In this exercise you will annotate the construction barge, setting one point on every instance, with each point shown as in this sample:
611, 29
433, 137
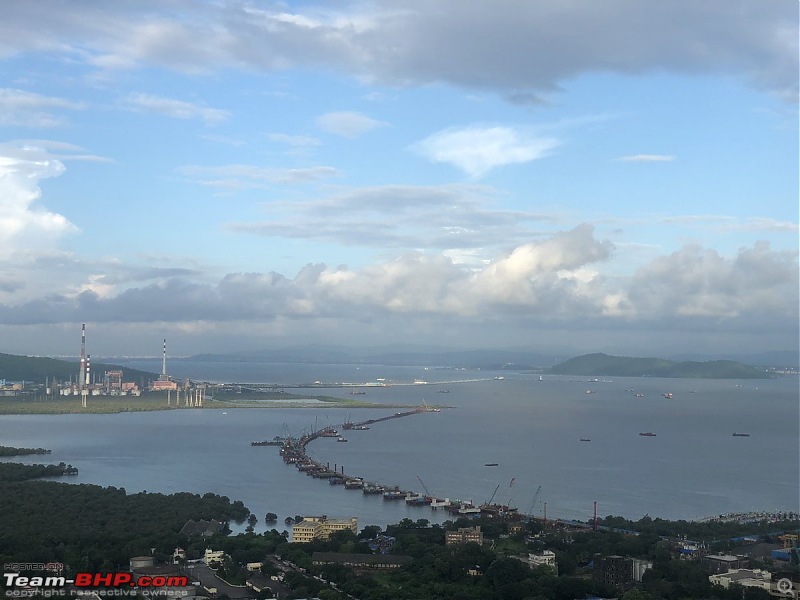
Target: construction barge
293, 452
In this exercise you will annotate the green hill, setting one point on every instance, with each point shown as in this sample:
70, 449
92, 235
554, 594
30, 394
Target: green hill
624, 366
37, 369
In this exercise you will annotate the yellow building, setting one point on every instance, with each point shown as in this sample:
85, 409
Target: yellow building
463, 536
320, 528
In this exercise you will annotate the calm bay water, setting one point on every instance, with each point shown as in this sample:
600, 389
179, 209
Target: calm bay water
532, 429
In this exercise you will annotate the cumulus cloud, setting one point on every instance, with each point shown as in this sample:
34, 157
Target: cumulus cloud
177, 109
699, 282
523, 51
477, 150
554, 280
347, 124
24, 224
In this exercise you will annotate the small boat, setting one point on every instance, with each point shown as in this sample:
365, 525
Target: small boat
490, 465
585, 440
741, 435
648, 434
668, 395
341, 439
499, 378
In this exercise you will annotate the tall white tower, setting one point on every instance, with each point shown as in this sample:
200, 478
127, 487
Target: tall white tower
164, 362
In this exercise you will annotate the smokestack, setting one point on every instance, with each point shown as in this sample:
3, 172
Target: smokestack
82, 368
164, 361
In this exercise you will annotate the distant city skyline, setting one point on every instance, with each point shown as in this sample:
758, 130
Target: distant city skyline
618, 177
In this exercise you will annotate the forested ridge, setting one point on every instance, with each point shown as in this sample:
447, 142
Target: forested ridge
89, 527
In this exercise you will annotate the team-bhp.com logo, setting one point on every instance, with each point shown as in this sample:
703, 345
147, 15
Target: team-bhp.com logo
108, 584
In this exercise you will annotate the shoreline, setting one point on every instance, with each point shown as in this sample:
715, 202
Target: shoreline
124, 404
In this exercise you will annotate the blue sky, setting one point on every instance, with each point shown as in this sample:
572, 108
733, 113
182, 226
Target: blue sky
618, 176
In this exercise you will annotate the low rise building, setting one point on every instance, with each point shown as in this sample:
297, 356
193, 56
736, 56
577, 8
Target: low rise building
620, 571
546, 558
744, 577
212, 556
722, 563
463, 536
321, 528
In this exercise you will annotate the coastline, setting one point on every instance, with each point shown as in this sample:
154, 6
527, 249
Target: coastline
123, 404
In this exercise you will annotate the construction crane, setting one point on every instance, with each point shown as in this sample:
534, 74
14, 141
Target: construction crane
533, 502
493, 495
424, 487
510, 485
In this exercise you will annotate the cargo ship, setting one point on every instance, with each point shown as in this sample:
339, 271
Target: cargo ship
648, 434
741, 435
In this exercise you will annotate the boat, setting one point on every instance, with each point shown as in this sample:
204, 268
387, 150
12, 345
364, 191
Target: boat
393, 495
354, 484
585, 440
541, 378
741, 435
359, 428
372, 488
442, 391
668, 395
648, 434
640, 395
341, 439
490, 465
329, 433
499, 378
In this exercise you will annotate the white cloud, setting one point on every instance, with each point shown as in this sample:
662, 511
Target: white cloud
348, 124
477, 150
24, 225
177, 109
249, 176
525, 50
296, 141
452, 217
27, 109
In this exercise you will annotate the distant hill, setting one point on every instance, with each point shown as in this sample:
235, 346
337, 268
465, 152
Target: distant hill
441, 357
37, 369
623, 366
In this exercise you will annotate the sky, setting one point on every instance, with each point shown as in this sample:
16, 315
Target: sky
617, 176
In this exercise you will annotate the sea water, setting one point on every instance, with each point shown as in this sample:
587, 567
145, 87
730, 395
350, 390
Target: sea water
531, 429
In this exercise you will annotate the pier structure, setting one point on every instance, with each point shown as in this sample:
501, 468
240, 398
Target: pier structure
293, 452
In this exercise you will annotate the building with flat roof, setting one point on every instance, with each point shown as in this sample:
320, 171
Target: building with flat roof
722, 563
321, 528
464, 535
744, 577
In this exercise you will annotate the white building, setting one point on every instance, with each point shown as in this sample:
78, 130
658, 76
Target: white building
745, 577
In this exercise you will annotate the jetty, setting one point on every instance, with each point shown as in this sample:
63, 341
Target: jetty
293, 452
